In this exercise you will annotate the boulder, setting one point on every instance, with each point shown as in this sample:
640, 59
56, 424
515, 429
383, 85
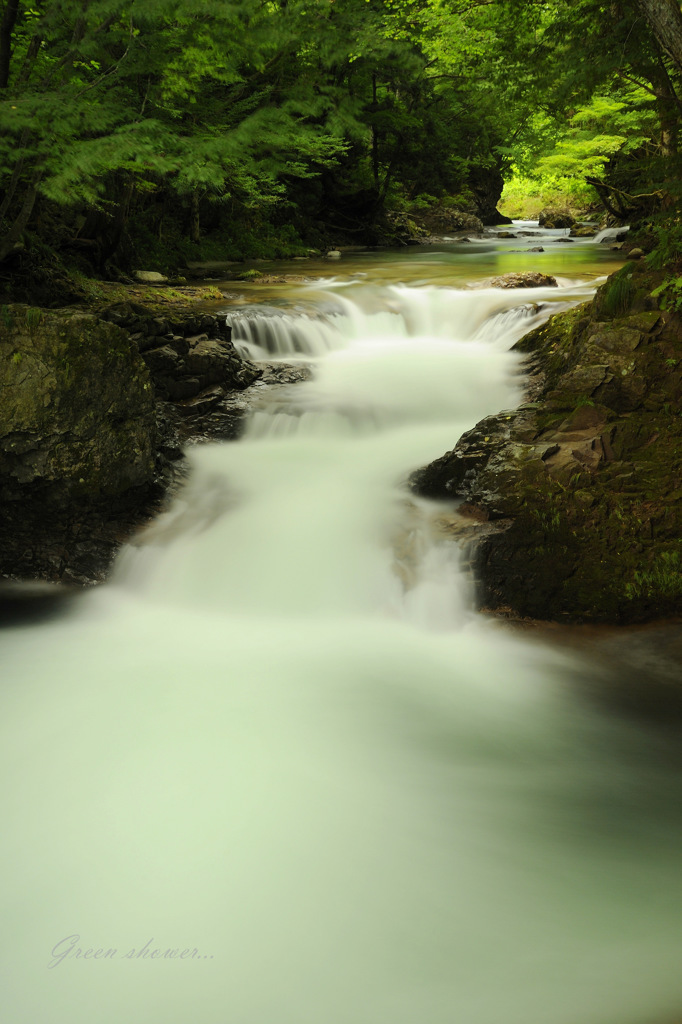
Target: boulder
486, 184
78, 437
552, 218
86, 447
524, 279
150, 277
441, 219
78, 404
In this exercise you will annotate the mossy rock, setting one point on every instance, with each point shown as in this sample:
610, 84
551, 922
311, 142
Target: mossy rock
79, 408
576, 498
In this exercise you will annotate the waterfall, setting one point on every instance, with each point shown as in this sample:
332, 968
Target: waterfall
266, 333
610, 234
279, 771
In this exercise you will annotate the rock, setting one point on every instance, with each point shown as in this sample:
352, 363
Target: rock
248, 275
574, 500
486, 184
78, 407
202, 403
583, 231
78, 434
636, 254
209, 268
442, 220
562, 239
164, 360
505, 234
22, 603
210, 361
525, 279
333, 254
150, 277
552, 218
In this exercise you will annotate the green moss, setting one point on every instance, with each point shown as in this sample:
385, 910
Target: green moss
617, 295
661, 579
33, 317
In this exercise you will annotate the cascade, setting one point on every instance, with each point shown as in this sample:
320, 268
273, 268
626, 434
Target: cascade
281, 750
610, 234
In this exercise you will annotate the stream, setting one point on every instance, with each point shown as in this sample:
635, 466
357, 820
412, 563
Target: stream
278, 771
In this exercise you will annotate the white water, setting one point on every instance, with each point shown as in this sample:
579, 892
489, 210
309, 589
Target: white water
610, 234
358, 804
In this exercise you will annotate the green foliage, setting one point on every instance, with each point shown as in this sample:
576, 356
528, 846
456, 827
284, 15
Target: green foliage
669, 294
324, 111
33, 317
663, 578
523, 197
668, 247
617, 294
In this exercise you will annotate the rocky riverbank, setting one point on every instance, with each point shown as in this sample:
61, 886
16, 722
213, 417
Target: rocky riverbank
574, 500
96, 406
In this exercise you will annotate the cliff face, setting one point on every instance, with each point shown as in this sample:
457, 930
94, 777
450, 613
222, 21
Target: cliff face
575, 498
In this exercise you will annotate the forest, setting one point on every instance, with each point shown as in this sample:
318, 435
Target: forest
146, 134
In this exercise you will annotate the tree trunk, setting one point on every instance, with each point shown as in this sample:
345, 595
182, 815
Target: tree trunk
665, 19
194, 219
668, 106
375, 137
16, 175
9, 18
9, 243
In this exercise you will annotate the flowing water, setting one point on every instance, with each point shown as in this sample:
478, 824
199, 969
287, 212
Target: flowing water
278, 772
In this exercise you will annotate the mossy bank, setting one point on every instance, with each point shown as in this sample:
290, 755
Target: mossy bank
575, 498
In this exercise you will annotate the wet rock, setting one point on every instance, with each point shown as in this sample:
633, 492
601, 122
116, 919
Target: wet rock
525, 279
202, 402
574, 500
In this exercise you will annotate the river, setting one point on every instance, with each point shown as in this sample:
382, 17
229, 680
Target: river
278, 771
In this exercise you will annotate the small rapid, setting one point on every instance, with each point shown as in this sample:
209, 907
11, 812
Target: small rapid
281, 750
